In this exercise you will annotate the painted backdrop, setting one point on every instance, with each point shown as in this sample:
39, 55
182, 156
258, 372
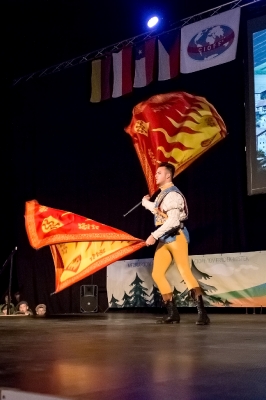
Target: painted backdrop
227, 280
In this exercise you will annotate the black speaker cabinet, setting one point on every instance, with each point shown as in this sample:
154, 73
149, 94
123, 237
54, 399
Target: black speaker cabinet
88, 298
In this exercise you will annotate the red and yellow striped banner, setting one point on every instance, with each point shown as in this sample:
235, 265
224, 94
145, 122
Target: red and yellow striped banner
174, 127
80, 246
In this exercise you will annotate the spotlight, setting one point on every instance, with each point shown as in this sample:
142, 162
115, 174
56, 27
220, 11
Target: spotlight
153, 21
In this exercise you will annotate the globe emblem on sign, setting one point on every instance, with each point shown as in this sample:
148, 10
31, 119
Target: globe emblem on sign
210, 43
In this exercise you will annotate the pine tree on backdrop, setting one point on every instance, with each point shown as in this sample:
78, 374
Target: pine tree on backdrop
113, 302
138, 293
126, 301
156, 297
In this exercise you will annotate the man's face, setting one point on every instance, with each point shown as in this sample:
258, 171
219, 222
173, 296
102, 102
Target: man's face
23, 308
40, 311
162, 176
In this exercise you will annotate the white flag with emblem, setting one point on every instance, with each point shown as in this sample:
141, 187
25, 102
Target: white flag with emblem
209, 42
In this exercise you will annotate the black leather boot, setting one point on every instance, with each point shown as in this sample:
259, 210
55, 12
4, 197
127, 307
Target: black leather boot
203, 318
173, 316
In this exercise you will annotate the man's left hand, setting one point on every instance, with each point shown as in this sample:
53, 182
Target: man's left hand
150, 241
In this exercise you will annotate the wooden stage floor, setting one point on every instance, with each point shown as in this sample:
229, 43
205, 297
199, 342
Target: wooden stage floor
118, 356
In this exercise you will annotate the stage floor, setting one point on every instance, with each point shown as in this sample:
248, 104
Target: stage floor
118, 356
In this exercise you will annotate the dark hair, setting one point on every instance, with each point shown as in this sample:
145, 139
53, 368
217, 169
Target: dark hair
169, 167
22, 302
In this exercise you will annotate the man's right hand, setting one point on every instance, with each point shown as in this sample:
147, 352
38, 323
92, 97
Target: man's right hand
147, 197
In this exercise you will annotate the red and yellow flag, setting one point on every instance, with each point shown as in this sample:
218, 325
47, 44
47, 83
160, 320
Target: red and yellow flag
174, 127
79, 245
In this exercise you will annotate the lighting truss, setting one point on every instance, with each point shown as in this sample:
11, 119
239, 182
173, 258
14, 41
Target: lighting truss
93, 55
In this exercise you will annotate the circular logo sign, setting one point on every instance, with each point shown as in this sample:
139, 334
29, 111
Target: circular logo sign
210, 43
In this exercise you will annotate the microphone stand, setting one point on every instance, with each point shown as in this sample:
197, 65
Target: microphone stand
11, 255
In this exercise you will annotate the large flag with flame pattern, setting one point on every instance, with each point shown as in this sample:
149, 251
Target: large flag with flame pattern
174, 127
79, 245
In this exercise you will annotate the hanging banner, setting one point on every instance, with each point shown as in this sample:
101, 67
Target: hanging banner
100, 79
227, 280
144, 63
209, 42
122, 72
168, 55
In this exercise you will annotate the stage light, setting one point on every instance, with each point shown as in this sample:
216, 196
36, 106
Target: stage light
152, 22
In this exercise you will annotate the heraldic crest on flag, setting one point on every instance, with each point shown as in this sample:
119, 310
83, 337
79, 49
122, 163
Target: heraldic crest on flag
175, 127
79, 245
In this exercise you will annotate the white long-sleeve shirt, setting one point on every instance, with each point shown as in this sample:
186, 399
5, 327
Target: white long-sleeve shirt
173, 205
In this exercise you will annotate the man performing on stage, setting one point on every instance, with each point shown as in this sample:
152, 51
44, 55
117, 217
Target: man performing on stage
170, 210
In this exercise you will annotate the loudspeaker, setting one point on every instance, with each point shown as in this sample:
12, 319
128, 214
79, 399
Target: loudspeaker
88, 298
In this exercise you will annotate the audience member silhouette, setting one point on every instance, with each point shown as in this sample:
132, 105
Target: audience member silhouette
41, 310
23, 308
11, 305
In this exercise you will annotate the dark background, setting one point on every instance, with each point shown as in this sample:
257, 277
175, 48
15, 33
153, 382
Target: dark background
67, 153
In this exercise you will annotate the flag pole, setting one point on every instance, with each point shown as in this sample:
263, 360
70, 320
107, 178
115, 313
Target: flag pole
155, 194
133, 208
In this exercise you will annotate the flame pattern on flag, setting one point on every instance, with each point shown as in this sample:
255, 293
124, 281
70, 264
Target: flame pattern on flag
79, 245
174, 127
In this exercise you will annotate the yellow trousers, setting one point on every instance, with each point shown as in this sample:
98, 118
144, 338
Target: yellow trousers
177, 250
